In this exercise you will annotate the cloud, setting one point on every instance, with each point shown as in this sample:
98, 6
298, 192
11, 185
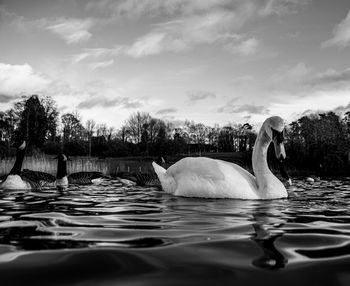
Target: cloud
289, 78
154, 8
9, 18
6, 98
244, 47
71, 30
166, 111
96, 53
250, 109
185, 33
302, 81
152, 44
101, 65
282, 7
342, 109
341, 34
228, 106
331, 77
105, 102
297, 71
198, 95
232, 107
192, 23
20, 79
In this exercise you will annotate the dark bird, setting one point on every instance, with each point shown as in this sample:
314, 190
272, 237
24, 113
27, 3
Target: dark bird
139, 179
26, 179
79, 178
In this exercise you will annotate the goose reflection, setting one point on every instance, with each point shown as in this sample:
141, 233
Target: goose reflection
265, 238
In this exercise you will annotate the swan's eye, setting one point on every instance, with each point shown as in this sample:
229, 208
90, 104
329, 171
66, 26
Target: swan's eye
277, 135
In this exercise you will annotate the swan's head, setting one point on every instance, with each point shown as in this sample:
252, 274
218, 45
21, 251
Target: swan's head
274, 127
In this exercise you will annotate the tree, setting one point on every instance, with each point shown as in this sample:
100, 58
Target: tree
72, 127
36, 123
90, 126
50, 107
136, 124
225, 140
245, 142
318, 142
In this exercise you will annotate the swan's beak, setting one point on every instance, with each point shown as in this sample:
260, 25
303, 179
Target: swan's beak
281, 156
279, 149
283, 170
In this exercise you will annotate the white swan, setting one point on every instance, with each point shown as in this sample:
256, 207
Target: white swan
209, 178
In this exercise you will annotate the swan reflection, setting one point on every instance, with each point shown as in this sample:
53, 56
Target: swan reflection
265, 237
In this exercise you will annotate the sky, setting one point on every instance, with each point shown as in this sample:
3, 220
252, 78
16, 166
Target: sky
210, 61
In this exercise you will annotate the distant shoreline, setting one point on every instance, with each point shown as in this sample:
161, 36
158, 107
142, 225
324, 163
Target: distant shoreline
133, 164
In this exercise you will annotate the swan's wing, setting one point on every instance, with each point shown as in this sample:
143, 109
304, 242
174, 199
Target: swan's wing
210, 169
37, 179
205, 177
83, 178
200, 167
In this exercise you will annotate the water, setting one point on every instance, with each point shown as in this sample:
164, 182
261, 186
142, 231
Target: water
110, 234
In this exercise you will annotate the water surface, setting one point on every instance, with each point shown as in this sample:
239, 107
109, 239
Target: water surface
111, 234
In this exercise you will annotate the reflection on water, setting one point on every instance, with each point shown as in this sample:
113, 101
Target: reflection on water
110, 233
271, 258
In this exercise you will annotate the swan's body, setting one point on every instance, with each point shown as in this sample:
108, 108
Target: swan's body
210, 178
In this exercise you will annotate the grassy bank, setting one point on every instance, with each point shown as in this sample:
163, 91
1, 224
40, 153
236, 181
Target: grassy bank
112, 166
109, 166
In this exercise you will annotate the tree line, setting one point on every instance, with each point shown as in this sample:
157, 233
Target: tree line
37, 120
317, 142
320, 142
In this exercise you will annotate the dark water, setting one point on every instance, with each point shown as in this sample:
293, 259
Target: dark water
111, 234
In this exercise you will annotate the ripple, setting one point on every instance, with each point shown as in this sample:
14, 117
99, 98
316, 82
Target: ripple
160, 236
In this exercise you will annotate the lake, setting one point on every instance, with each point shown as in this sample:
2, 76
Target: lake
112, 234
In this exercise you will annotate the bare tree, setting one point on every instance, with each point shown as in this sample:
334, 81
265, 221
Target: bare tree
135, 125
90, 127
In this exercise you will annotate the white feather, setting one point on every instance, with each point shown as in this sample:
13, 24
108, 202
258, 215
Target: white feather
14, 182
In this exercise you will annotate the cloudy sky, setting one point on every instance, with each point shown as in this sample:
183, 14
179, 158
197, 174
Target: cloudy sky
211, 61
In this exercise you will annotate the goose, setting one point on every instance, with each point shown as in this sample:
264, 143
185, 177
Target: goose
22, 180
139, 179
210, 178
80, 178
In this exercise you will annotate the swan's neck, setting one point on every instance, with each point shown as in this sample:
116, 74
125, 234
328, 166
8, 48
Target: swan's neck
269, 186
260, 167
